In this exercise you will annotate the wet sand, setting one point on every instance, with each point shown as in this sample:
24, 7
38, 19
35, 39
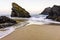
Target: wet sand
35, 32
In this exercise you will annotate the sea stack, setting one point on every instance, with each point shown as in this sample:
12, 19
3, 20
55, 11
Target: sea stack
18, 11
53, 13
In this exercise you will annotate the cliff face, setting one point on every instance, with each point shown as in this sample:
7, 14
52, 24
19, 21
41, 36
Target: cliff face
46, 11
53, 13
18, 11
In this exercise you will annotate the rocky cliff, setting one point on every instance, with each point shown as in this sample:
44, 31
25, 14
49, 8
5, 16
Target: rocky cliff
18, 11
52, 12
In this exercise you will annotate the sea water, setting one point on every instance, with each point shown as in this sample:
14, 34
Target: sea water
41, 19
37, 19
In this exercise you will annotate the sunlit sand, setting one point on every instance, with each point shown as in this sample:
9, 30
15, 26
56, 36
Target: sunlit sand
35, 32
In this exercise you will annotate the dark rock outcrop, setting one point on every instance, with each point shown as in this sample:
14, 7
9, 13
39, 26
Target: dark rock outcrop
46, 11
18, 11
53, 13
6, 22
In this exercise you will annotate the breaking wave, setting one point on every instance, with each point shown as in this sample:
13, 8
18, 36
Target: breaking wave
41, 19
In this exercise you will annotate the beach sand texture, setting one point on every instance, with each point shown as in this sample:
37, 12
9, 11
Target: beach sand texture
35, 32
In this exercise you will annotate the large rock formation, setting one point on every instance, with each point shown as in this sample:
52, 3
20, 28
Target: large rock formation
53, 13
18, 11
46, 11
6, 22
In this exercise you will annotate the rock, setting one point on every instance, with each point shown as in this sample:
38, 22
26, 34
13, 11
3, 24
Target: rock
53, 13
46, 11
4, 25
6, 22
18, 11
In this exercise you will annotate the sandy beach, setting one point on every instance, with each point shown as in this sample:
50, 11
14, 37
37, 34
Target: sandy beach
35, 32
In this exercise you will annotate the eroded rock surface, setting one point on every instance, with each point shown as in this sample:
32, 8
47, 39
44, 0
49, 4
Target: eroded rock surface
6, 22
52, 12
18, 11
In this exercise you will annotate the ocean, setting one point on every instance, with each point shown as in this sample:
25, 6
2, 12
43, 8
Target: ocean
37, 19
41, 19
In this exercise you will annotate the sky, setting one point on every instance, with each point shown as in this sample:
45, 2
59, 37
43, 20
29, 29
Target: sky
32, 6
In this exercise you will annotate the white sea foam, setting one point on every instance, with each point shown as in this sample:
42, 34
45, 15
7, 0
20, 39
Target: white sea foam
41, 19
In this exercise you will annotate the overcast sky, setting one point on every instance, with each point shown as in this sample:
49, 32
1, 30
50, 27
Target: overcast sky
32, 6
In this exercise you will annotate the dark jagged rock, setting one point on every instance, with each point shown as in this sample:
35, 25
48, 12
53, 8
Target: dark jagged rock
4, 25
4, 19
18, 11
46, 11
6, 22
53, 13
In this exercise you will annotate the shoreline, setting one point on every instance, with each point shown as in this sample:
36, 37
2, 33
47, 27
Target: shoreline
35, 32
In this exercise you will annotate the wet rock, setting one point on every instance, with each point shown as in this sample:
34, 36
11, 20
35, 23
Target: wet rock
53, 13
4, 25
6, 22
18, 11
46, 11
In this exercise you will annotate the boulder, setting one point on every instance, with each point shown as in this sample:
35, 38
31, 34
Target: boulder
18, 11
6, 22
53, 13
